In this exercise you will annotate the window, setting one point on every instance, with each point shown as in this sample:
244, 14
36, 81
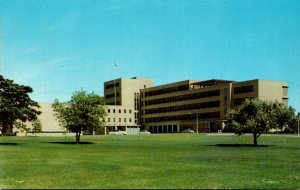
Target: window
285, 101
108, 110
108, 119
119, 110
114, 119
285, 91
238, 101
130, 120
198, 95
124, 110
107, 96
120, 120
129, 111
125, 120
202, 105
108, 86
225, 94
114, 110
207, 115
243, 89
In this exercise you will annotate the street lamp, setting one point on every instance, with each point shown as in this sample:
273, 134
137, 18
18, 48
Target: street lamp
298, 126
197, 122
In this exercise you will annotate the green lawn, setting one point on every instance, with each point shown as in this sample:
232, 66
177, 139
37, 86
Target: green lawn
153, 161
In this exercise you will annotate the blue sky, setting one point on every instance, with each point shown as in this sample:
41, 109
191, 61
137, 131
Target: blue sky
59, 46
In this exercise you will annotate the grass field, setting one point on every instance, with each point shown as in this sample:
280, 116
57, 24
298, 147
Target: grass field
154, 161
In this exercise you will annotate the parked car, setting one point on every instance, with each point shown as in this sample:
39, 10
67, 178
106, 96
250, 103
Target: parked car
118, 132
144, 132
188, 131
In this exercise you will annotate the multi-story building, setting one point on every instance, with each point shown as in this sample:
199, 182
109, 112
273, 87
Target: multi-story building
174, 107
122, 97
201, 105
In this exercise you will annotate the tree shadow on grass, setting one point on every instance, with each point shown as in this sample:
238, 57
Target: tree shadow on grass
10, 144
62, 142
238, 145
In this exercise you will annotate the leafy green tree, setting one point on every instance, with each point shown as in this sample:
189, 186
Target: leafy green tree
83, 112
295, 123
22, 126
36, 126
283, 117
258, 117
15, 104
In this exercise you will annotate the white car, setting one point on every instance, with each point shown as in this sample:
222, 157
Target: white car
144, 132
188, 131
118, 132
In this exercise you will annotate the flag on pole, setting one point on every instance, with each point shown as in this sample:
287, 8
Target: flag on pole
115, 65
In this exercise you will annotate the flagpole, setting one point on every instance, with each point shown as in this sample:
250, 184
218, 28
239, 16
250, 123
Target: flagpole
115, 89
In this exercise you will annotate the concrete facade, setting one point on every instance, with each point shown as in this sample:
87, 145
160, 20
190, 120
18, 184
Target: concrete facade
48, 121
202, 105
171, 108
122, 97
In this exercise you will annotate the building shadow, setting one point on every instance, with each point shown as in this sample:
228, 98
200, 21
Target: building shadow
10, 144
62, 142
239, 145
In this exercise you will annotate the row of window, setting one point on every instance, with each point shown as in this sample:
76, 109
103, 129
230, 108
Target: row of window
167, 90
113, 103
207, 115
183, 97
243, 89
240, 101
119, 111
120, 120
112, 85
136, 101
184, 107
112, 95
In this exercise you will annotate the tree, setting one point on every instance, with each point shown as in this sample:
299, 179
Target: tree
15, 104
36, 126
295, 123
83, 112
21, 126
258, 116
283, 117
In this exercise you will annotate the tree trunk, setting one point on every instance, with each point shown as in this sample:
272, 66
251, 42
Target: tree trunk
6, 129
255, 140
3, 129
78, 137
